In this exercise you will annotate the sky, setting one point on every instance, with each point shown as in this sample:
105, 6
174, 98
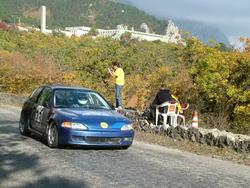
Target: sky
232, 17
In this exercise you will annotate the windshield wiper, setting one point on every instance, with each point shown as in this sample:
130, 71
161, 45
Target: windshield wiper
62, 106
97, 108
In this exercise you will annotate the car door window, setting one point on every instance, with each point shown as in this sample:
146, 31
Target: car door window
34, 95
45, 96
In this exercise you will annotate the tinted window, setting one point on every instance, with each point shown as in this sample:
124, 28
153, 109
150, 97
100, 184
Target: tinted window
45, 96
34, 95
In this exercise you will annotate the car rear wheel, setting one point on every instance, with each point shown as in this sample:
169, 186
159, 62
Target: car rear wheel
52, 136
23, 125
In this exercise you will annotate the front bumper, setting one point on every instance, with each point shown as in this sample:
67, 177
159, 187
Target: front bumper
95, 138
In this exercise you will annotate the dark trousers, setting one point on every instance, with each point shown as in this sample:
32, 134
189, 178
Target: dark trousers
152, 109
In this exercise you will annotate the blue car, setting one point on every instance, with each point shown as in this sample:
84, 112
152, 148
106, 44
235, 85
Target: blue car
68, 115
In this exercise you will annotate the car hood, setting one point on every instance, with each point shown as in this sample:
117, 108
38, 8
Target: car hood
95, 118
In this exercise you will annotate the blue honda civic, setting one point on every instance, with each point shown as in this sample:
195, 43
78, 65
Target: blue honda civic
68, 115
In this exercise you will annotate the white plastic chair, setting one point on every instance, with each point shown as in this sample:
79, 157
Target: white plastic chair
181, 115
169, 111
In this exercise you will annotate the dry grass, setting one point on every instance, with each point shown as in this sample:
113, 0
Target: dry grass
192, 147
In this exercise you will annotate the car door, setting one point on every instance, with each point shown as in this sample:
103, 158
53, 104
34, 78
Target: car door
43, 109
31, 105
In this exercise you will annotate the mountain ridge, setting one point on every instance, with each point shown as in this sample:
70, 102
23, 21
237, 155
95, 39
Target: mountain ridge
202, 31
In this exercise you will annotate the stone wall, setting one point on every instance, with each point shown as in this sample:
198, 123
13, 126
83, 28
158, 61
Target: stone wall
8, 98
212, 137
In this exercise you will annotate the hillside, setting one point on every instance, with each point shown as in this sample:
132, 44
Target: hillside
202, 31
64, 13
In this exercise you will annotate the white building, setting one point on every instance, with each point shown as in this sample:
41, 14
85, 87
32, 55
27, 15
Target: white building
107, 33
22, 28
172, 33
78, 31
142, 36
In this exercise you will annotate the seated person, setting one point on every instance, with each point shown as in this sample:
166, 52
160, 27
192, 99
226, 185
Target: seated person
61, 100
70, 97
162, 96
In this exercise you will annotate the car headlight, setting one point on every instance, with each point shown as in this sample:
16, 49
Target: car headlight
127, 127
74, 126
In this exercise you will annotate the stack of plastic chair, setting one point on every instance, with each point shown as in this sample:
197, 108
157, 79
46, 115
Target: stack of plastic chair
183, 108
169, 112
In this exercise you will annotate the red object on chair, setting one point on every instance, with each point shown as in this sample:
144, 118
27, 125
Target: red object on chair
184, 108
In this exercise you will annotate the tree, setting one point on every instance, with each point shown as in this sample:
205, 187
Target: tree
93, 31
3, 26
126, 36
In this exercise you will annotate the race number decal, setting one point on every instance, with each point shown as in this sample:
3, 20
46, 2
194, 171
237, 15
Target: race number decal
39, 114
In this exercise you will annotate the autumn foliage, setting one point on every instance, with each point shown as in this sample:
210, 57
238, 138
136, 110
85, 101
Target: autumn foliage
214, 82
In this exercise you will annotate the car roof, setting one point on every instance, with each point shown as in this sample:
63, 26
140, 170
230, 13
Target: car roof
67, 87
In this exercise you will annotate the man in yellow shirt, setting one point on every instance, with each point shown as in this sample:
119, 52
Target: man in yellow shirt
118, 74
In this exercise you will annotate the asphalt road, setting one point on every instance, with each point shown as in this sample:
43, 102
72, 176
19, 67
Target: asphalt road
28, 162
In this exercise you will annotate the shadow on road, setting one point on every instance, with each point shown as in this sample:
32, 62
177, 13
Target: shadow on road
55, 182
15, 161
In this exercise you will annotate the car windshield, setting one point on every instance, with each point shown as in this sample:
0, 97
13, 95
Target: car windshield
73, 98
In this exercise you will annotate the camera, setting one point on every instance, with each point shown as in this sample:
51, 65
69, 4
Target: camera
111, 68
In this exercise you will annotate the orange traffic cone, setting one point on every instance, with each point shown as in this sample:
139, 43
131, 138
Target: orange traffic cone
195, 119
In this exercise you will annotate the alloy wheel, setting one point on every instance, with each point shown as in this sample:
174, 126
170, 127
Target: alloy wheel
51, 134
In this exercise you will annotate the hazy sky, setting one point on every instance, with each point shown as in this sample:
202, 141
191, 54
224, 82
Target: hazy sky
232, 17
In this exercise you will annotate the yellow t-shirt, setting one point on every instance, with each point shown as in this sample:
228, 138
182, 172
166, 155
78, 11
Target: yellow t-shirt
119, 80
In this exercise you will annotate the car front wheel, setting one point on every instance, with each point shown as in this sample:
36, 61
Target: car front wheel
52, 136
23, 125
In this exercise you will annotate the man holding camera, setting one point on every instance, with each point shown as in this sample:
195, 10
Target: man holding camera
118, 74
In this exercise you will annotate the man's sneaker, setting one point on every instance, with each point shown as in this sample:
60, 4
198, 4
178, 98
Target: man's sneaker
119, 108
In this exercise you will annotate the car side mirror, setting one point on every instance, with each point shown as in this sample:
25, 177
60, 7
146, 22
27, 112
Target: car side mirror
46, 104
112, 106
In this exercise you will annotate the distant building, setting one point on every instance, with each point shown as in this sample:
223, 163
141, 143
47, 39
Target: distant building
172, 33
141, 35
22, 28
108, 33
78, 30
